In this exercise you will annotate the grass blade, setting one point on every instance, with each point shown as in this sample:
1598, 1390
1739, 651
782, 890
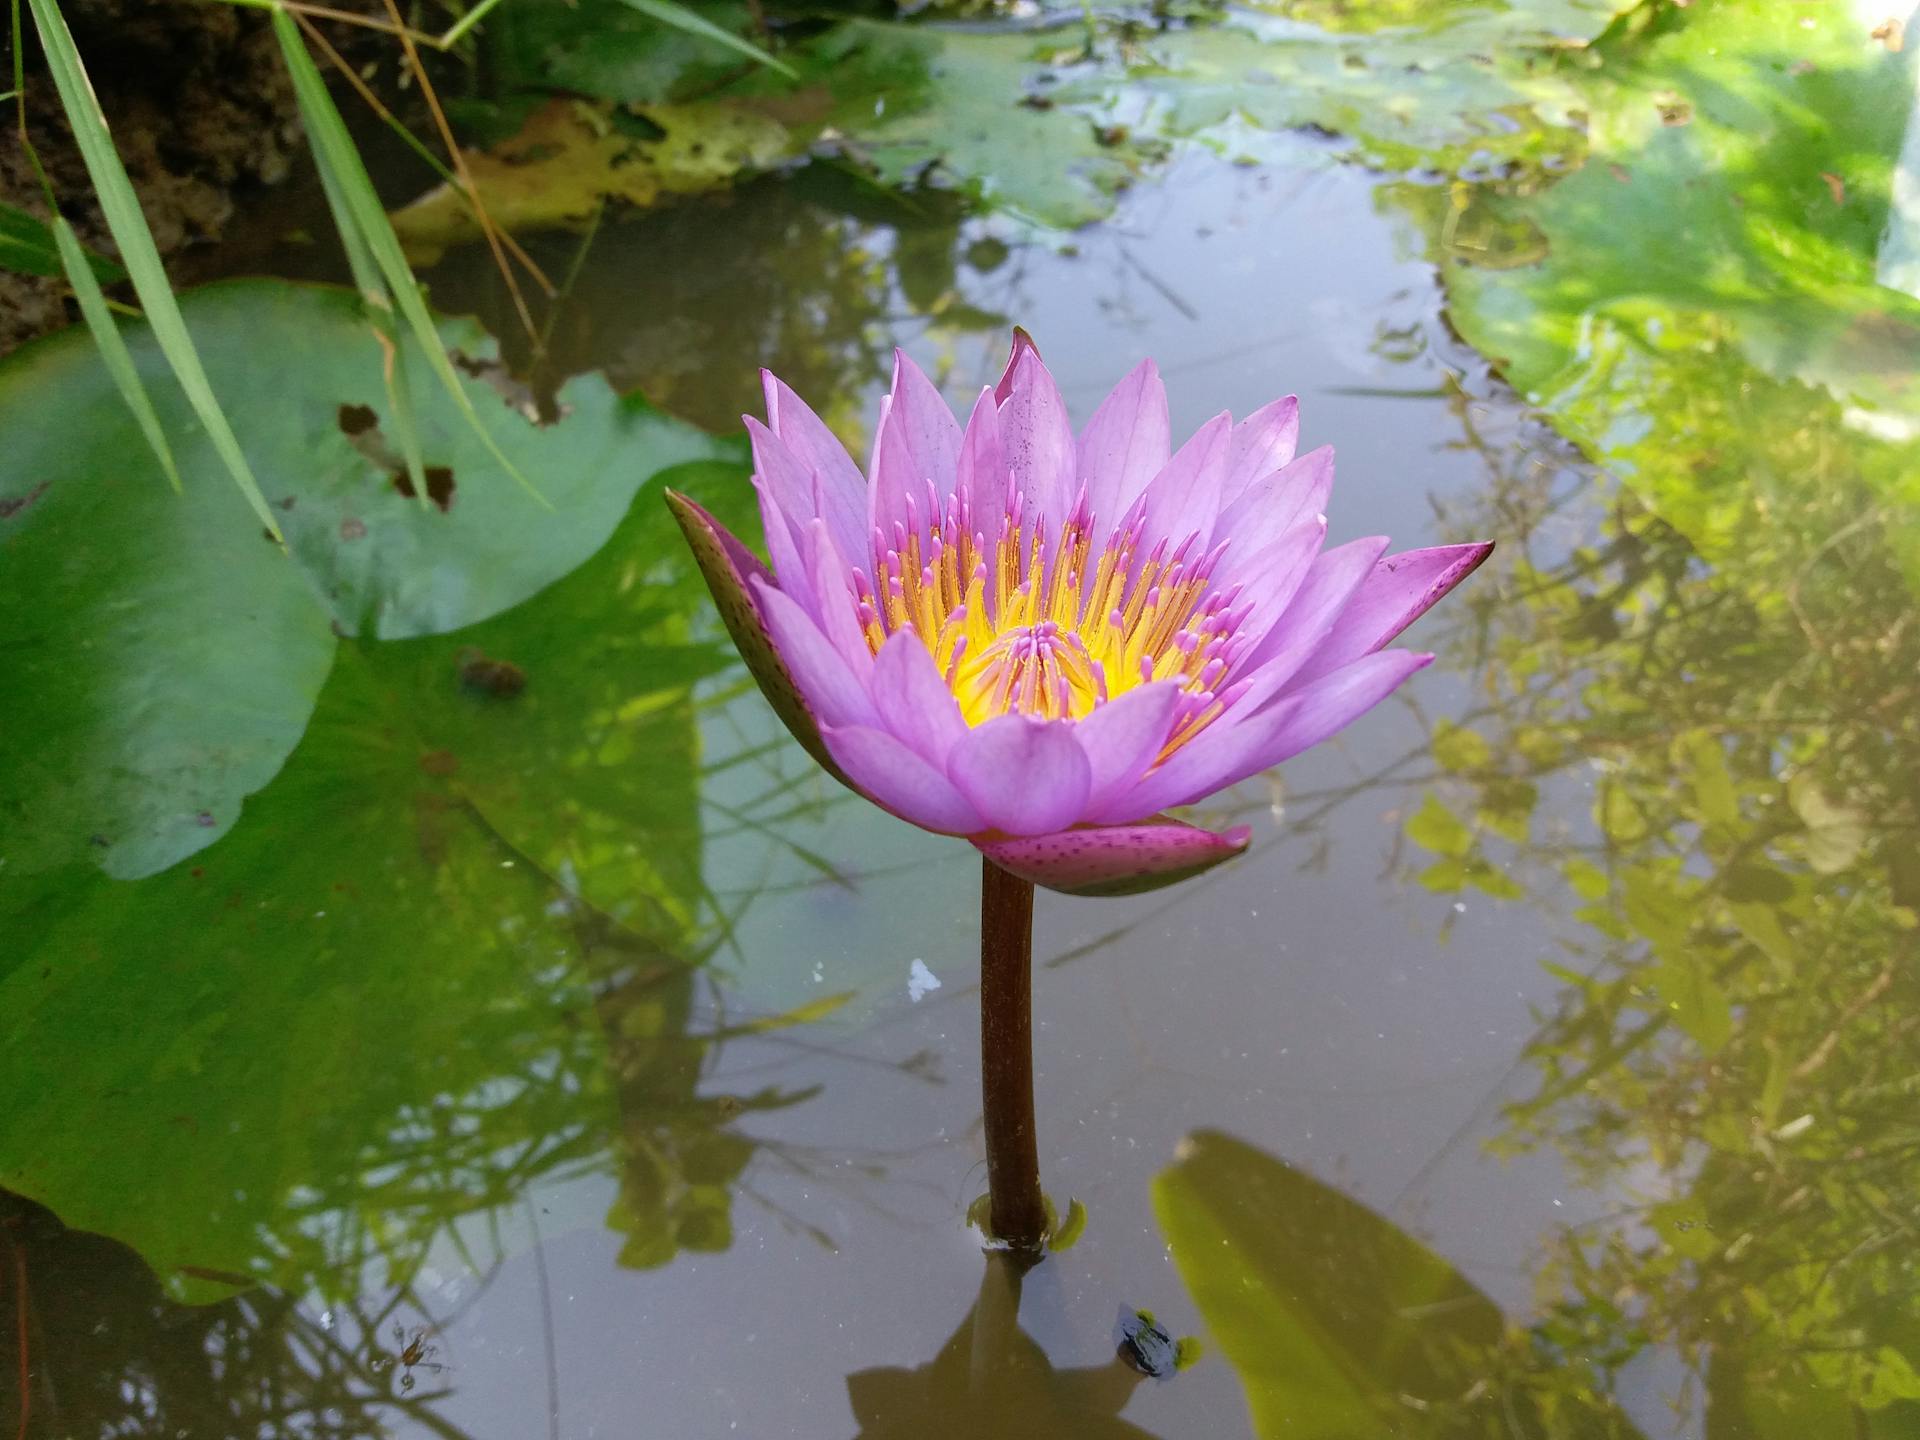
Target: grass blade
333, 148
137, 250
465, 23
27, 246
113, 349
668, 12
379, 302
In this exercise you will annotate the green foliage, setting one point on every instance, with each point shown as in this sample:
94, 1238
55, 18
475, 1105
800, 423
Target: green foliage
358, 1017
135, 241
909, 99
1715, 255
166, 656
1340, 1324
27, 244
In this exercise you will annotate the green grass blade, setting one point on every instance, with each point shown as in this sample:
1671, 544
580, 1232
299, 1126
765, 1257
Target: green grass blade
113, 349
366, 275
27, 246
405, 428
142, 258
668, 12
379, 302
465, 23
327, 133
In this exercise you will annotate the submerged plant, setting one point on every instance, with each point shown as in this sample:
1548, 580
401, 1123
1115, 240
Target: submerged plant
1041, 643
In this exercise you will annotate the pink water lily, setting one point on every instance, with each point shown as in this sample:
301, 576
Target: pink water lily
1042, 642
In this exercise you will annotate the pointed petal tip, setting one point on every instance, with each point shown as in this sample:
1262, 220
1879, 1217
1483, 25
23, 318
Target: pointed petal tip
1022, 344
1105, 860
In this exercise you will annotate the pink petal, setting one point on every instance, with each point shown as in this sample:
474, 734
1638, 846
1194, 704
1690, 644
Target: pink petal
1400, 590
832, 587
1036, 443
731, 570
915, 704
1124, 736
785, 490
1273, 579
1117, 859
981, 478
1184, 498
1237, 748
1022, 345
1273, 505
1262, 443
1309, 618
891, 482
899, 781
1125, 444
843, 488
925, 426
832, 691
1025, 776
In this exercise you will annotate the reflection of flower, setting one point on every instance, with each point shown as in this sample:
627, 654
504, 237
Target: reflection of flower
1039, 643
992, 1379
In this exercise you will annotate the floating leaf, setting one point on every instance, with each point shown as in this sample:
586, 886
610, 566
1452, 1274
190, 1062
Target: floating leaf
446, 885
1340, 1324
570, 158
164, 654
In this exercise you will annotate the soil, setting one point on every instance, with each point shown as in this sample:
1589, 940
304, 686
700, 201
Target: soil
202, 114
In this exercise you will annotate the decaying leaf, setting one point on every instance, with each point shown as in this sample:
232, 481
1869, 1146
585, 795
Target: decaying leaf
572, 157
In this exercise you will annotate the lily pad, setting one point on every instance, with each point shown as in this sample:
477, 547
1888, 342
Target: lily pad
164, 654
423, 970
975, 107
1339, 1323
1715, 261
1462, 87
570, 158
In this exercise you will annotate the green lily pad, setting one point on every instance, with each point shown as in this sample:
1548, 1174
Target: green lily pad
1450, 87
448, 950
1339, 1323
1714, 263
164, 655
971, 105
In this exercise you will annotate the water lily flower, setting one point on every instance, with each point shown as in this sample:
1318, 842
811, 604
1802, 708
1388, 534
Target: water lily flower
1042, 641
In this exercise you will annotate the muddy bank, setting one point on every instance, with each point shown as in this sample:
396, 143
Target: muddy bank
202, 115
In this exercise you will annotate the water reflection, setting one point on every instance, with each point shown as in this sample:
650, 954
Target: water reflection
1735, 1050
104, 1350
1341, 1324
991, 1378
815, 277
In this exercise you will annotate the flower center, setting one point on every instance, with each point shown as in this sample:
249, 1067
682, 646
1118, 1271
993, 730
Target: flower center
1036, 669
1052, 628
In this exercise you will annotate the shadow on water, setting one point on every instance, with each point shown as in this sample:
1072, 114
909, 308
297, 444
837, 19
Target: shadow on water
991, 1378
104, 1350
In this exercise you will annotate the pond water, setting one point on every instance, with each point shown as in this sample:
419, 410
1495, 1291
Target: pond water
553, 1050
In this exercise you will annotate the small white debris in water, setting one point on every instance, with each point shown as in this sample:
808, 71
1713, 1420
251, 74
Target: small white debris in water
819, 974
921, 981
326, 1319
1459, 907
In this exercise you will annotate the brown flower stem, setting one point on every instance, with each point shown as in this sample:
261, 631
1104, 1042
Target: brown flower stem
1018, 1214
